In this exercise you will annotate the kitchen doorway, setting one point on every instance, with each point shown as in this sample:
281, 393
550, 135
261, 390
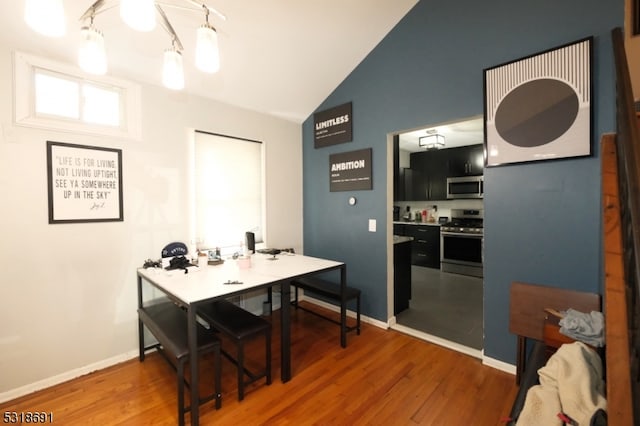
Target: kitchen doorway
445, 308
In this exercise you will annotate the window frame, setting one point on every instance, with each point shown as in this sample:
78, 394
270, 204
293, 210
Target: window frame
25, 68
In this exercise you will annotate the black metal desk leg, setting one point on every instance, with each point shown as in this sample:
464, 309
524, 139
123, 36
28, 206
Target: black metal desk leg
343, 306
140, 325
285, 332
193, 356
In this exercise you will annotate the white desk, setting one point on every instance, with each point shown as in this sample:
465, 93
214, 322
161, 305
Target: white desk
207, 284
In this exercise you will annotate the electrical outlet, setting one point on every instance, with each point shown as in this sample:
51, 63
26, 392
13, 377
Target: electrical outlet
372, 225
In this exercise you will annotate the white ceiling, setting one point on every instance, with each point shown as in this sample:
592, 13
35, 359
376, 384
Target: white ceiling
279, 57
459, 133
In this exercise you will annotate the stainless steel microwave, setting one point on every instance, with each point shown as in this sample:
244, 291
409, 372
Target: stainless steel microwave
465, 187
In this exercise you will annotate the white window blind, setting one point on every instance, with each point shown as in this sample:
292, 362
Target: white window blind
228, 190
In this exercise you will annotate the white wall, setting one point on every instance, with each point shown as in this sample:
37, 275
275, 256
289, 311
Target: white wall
68, 291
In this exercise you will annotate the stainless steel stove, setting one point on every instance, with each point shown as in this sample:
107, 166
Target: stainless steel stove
461, 243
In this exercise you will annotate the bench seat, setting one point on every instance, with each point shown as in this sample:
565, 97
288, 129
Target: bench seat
168, 324
240, 326
334, 292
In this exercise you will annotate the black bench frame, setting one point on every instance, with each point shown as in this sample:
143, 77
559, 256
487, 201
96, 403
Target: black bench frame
336, 292
167, 322
240, 326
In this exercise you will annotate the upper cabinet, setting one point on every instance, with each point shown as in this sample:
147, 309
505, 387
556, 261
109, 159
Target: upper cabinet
428, 175
426, 179
465, 160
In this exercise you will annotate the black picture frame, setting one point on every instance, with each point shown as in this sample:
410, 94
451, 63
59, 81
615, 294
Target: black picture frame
84, 183
333, 126
540, 107
351, 171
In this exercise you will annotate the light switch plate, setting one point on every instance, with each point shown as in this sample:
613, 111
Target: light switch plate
372, 225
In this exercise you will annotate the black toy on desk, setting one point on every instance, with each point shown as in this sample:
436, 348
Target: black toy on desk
151, 264
273, 252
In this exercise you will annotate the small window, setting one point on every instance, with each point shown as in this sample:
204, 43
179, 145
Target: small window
101, 106
57, 96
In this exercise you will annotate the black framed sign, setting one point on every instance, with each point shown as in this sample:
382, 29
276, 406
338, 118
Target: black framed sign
539, 107
84, 183
333, 126
350, 171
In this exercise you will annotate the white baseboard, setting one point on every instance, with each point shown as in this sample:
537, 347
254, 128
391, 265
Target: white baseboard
350, 314
66, 376
476, 353
499, 365
489, 362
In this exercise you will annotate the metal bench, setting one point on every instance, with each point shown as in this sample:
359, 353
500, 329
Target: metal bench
168, 324
333, 292
240, 326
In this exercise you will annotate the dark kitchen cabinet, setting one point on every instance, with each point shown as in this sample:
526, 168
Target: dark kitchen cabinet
465, 160
428, 176
398, 173
401, 175
425, 247
401, 276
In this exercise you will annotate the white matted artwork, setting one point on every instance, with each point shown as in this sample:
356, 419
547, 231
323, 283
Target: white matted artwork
539, 107
84, 183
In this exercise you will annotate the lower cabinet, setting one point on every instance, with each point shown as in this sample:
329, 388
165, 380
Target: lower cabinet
425, 248
401, 276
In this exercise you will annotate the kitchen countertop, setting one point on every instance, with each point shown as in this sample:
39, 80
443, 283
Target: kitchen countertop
399, 239
400, 222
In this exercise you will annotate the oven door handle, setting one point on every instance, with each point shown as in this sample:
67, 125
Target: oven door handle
460, 234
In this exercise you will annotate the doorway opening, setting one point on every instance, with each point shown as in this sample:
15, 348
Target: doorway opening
444, 308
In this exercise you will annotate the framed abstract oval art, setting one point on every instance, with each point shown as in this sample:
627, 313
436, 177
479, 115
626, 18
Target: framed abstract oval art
539, 107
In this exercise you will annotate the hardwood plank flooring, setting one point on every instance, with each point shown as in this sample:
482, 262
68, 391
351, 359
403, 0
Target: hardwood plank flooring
382, 378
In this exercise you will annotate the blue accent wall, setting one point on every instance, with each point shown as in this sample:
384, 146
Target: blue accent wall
542, 220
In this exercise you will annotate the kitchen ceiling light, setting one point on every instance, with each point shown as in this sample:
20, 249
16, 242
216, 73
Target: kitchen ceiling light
431, 141
47, 17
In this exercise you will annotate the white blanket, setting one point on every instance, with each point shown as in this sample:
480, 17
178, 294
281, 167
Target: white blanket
570, 383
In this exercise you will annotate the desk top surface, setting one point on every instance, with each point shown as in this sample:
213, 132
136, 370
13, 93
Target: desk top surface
209, 282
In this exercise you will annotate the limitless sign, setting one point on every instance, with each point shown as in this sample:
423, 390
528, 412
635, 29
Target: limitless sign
333, 126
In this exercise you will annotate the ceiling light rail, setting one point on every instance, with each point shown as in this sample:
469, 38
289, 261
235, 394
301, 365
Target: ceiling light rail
141, 16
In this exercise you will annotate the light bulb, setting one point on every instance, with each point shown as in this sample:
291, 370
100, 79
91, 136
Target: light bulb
173, 72
92, 57
45, 17
139, 14
207, 53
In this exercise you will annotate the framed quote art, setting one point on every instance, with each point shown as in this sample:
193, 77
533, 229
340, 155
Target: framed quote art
84, 183
539, 107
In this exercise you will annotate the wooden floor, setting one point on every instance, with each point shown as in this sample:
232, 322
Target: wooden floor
382, 378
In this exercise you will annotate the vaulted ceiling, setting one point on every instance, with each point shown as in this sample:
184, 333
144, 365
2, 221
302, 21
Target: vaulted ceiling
279, 57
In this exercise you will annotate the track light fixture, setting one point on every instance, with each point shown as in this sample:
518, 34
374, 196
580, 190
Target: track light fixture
47, 17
